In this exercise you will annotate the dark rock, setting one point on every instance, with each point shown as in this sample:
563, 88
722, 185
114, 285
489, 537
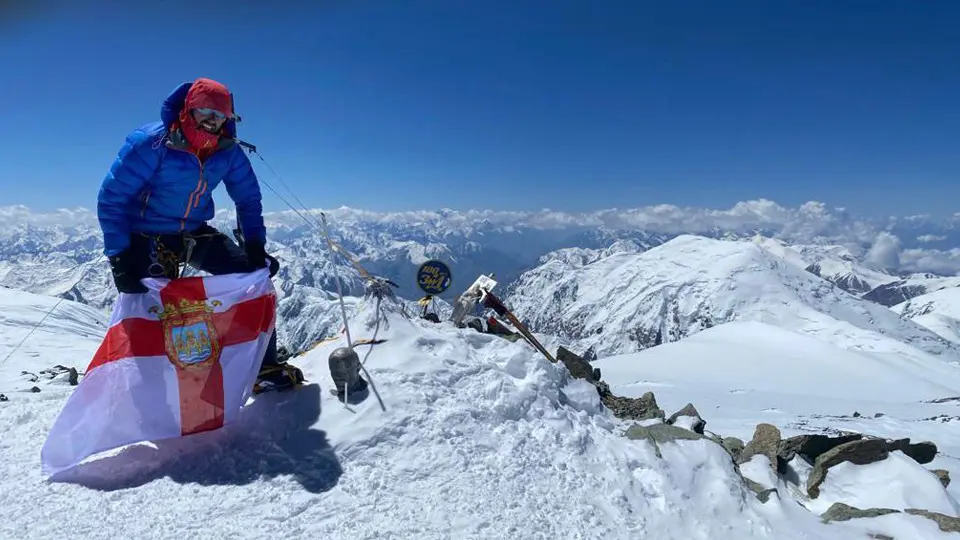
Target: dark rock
689, 410
659, 434
642, 408
662, 433
859, 452
843, 512
856, 414
891, 294
809, 447
943, 475
921, 452
756, 487
35, 389
4, 398
764, 495
577, 366
878, 415
878, 536
734, 446
945, 522
765, 441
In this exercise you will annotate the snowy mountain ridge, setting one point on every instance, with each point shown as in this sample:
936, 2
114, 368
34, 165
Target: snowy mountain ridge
628, 301
59, 254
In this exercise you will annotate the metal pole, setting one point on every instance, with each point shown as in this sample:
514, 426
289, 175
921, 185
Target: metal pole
343, 307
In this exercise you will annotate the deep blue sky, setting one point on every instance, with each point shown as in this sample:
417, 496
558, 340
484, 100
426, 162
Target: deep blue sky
390, 105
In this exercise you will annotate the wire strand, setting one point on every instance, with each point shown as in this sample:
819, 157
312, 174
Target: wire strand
50, 311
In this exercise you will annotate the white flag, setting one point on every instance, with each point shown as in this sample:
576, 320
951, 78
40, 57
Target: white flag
179, 359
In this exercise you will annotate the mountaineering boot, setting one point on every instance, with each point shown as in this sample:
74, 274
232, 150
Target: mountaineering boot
345, 372
277, 377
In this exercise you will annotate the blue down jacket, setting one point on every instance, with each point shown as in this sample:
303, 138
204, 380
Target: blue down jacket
157, 185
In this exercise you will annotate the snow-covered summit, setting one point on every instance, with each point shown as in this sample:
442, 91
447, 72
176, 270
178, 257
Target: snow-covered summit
481, 438
834, 263
629, 301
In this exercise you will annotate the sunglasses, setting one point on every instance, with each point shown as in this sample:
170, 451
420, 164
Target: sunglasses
205, 111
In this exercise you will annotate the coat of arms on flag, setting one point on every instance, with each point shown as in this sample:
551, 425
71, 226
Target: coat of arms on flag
189, 334
177, 360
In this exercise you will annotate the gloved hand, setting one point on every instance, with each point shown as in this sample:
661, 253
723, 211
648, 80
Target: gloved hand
258, 258
274, 265
125, 275
256, 255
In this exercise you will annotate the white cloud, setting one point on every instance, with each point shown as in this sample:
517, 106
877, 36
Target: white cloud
812, 222
931, 260
18, 215
885, 251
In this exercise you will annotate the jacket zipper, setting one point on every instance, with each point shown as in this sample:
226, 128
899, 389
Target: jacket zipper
193, 193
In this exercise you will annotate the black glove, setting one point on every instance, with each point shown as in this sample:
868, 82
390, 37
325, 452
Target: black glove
125, 274
274, 265
258, 258
256, 255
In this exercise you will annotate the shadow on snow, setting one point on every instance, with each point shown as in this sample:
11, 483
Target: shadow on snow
271, 437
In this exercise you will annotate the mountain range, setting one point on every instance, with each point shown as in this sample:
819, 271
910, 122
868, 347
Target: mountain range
811, 343
886, 261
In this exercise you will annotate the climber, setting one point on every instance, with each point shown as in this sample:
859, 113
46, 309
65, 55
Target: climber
155, 201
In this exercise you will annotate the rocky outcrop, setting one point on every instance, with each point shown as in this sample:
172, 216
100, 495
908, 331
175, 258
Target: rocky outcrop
659, 434
734, 446
946, 523
844, 512
922, 452
810, 447
765, 441
643, 408
943, 476
865, 451
689, 411
820, 452
859, 452
578, 367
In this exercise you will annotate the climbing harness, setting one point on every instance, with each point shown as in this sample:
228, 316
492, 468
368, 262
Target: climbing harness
165, 260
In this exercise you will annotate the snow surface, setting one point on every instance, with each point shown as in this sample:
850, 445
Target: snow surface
482, 438
939, 311
68, 336
897, 482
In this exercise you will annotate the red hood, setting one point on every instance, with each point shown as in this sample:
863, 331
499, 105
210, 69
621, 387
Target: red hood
204, 93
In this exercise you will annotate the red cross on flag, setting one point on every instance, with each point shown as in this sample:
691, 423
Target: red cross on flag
179, 359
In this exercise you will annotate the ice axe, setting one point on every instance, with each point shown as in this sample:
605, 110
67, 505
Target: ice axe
491, 301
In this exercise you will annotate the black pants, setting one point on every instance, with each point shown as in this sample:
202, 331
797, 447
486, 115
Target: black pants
212, 252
